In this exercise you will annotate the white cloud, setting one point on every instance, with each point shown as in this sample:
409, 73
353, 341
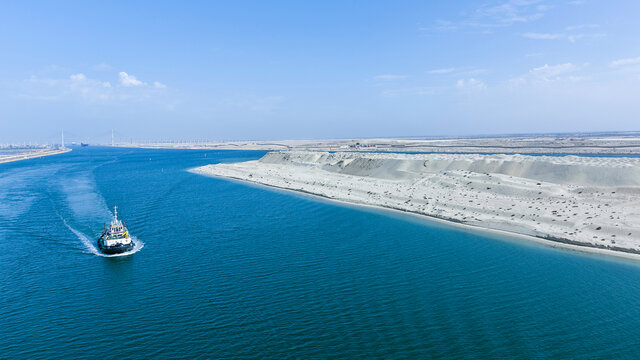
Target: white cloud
390, 77
490, 16
513, 11
412, 91
541, 36
460, 72
443, 25
79, 86
582, 26
76, 85
129, 80
86, 86
549, 71
625, 62
477, 71
441, 71
556, 36
78, 77
574, 37
470, 84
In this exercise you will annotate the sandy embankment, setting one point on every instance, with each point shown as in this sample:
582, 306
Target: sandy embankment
619, 143
592, 202
31, 154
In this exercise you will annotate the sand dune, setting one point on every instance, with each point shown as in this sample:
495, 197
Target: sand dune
588, 201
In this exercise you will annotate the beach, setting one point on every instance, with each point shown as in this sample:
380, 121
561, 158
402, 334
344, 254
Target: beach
31, 154
592, 203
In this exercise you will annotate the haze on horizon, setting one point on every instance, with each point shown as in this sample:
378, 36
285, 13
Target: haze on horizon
331, 69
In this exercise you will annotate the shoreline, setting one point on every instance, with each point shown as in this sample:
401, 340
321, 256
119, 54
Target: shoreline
554, 151
564, 244
585, 204
31, 155
616, 144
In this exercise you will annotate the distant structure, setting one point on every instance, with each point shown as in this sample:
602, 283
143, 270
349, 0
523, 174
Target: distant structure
112, 137
62, 137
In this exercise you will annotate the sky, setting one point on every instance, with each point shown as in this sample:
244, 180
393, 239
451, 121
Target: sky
268, 70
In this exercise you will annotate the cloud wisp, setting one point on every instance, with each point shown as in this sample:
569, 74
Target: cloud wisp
511, 12
130, 80
458, 72
547, 74
470, 84
562, 36
441, 71
390, 77
542, 36
624, 62
496, 15
91, 90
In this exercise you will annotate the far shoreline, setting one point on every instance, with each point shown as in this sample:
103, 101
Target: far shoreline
32, 155
579, 144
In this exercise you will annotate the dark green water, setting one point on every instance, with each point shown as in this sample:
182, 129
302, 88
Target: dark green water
227, 270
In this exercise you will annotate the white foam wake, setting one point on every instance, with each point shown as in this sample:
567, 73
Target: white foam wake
90, 245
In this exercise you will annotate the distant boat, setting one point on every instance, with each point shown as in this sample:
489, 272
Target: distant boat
115, 239
83, 144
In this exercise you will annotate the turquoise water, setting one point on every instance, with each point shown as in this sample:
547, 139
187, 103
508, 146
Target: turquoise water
227, 270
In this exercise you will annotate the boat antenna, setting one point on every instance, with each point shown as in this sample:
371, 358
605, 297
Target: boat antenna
115, 212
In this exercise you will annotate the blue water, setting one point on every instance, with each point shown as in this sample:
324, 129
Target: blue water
228, 270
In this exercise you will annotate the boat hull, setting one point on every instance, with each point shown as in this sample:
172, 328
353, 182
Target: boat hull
116, 249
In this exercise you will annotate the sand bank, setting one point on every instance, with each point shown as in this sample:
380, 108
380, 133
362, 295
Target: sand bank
31, 154
593, 203
614, 144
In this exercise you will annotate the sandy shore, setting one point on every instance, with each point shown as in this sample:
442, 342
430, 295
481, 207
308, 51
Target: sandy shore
31, 154
586, 203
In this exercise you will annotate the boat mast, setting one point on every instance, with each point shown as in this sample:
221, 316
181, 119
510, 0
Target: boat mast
115, 213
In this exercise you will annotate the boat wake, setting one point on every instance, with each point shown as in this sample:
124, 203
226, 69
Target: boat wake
85, 205
91, 247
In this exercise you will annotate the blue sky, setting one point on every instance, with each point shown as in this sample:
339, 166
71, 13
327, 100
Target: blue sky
332, 69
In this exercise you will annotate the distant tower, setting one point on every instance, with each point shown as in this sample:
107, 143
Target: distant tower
111, 137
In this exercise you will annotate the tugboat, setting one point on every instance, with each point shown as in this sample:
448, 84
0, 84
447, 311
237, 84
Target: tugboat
115, 239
